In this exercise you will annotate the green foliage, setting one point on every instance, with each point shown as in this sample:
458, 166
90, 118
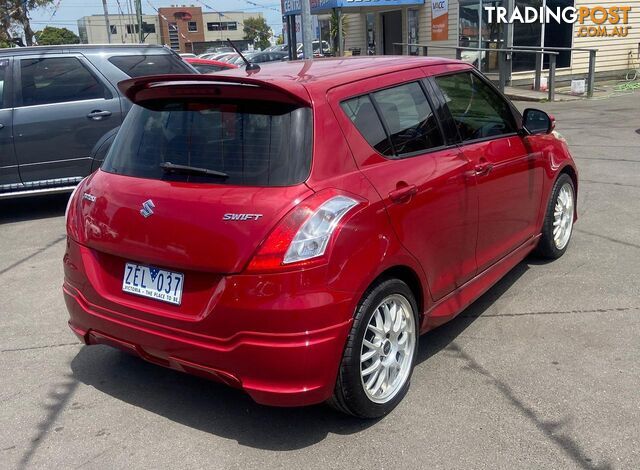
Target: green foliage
280, 39
257, 31
51, 36
15, 14
333, 28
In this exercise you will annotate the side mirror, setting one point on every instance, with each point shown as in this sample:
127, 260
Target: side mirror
538, 122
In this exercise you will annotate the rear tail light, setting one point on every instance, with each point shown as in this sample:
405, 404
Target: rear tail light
302, 237
71, 210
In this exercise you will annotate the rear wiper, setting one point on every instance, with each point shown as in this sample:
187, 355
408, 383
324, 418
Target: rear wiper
174, 168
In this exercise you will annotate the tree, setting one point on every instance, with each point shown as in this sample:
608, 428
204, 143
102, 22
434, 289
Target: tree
51, 36
257, 31
334, 22
16, 13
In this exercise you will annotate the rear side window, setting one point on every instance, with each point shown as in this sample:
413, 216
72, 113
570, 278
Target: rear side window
477, 110
251, 143
155, 64
411, 124
396, 121
57, 80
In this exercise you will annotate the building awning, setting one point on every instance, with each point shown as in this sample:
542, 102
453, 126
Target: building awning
292, 7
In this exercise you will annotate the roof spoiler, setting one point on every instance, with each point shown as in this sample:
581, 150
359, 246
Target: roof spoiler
154, 87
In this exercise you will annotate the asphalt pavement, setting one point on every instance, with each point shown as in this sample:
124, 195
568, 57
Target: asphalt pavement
543, 371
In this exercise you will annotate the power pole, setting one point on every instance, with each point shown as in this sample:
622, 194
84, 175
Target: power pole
307, 33
106, 20
139, 18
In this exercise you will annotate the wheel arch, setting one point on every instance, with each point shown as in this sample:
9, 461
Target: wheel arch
573, 174
409, 277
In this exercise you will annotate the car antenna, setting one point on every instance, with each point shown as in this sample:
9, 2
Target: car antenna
249, 66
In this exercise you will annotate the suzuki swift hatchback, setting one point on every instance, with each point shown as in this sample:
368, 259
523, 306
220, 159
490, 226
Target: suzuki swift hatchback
292, 231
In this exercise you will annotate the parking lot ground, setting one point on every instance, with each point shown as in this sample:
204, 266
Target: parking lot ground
543, 371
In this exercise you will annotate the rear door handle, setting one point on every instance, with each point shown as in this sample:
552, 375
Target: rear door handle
403, 194
97, 115
483, 169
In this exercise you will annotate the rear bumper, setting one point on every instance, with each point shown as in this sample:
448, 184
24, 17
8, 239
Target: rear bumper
288, 369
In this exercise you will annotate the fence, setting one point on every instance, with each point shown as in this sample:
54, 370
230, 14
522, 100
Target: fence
504, 62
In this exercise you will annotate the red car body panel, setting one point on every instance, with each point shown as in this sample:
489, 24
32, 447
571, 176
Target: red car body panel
280, 335
209, 62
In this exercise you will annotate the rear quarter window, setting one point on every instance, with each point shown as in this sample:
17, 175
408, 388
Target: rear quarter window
253, 143
151, 64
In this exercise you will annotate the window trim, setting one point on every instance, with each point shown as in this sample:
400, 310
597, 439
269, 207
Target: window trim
514, 112
7, 99
17, 95
403, 156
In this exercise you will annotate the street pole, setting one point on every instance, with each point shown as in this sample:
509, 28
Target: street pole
106, 20
139, 18
307, 33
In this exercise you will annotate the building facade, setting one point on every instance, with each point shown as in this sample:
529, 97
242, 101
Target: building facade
373, 26
184, 29
123, 29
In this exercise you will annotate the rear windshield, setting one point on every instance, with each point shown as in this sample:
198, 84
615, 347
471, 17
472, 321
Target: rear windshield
250, 143
152, 64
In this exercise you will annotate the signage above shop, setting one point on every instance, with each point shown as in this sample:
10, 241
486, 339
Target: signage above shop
292, 7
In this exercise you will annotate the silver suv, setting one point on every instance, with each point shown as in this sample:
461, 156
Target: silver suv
60, 108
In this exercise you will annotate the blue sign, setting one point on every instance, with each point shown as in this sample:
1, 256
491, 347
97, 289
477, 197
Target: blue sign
292, 7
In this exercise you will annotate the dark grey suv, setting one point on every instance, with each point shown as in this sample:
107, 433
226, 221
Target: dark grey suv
59, 107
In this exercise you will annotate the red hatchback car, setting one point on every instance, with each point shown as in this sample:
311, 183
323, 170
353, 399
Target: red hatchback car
292, 231
208, 66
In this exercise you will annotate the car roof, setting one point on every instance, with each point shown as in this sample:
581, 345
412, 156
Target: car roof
79, 48
303, 81
198, 60
319, 75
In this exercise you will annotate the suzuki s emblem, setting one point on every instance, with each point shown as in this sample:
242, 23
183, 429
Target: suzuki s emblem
147, 208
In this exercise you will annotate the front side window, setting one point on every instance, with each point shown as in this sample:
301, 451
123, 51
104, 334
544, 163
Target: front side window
244, 143
156, 64
58, 80
477, 110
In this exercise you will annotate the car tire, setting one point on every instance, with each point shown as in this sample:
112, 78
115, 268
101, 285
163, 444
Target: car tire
396, 348
559, 213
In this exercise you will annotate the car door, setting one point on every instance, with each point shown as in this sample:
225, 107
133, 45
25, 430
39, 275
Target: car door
424, 181
9, 176
64, 107
509, 172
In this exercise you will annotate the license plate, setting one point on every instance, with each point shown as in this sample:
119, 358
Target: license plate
155, 283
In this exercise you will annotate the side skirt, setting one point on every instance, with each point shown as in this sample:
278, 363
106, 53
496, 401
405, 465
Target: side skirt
454, 303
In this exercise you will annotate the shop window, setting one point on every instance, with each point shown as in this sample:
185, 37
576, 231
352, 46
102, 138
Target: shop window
371, 33
554, 34
413, 25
